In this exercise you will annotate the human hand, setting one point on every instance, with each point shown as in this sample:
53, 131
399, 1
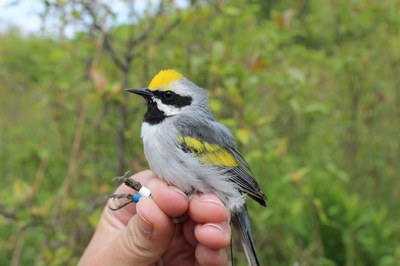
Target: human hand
144, 233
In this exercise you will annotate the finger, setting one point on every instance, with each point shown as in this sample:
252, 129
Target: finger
112, 222
212, 235
188, 232
171, 200
207, 208
108, 239
211, 257
144, 240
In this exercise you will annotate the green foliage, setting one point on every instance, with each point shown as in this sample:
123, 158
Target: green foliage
310, 91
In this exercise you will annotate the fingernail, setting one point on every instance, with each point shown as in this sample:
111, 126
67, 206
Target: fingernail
144, 224
205, 198
215, 226
177, 190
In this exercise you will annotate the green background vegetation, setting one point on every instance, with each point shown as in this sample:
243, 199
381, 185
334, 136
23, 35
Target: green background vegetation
309, 88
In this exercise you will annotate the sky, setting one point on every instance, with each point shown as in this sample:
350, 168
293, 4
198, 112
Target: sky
25, 13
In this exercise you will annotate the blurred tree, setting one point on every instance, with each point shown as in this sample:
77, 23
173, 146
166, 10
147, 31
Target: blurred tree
123, 44
309, 89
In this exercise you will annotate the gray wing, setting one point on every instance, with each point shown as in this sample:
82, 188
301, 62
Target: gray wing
244, 178
215, 133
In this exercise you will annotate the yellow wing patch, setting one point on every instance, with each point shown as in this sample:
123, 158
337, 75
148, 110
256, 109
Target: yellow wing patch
208, 153
163, 78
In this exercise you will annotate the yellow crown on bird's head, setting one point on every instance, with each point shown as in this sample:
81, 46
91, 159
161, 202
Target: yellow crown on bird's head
163, 78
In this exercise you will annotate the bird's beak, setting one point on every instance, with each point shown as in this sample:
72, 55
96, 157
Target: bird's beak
145, 92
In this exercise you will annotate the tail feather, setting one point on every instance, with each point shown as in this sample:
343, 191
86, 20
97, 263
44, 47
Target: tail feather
241, 222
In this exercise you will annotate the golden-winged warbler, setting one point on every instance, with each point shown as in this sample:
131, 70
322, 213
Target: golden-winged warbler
186, 147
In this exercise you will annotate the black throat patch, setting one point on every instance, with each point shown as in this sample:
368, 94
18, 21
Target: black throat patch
153, 115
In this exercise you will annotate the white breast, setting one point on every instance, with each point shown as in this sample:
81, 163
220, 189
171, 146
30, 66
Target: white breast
160, 148
181, 169
153, 146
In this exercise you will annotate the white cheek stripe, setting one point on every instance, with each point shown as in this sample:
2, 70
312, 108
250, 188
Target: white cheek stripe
167, 109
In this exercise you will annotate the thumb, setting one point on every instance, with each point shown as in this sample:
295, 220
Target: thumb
146, 236
142, 241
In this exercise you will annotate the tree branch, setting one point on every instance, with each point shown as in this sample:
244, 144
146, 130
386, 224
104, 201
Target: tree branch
167, 30
149, 28
106, 38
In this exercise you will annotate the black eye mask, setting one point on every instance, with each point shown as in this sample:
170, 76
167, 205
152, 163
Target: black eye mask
171, 98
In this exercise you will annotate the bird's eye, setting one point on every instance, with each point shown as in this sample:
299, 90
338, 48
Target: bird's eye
168, 95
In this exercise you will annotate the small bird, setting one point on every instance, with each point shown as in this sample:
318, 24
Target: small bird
186, 147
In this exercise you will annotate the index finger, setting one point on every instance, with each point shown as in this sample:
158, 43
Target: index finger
207, 208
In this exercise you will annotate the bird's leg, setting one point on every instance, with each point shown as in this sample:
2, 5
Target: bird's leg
129, 181
115, 203
135, 185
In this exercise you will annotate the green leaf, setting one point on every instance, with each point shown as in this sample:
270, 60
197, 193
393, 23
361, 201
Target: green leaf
243, 135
